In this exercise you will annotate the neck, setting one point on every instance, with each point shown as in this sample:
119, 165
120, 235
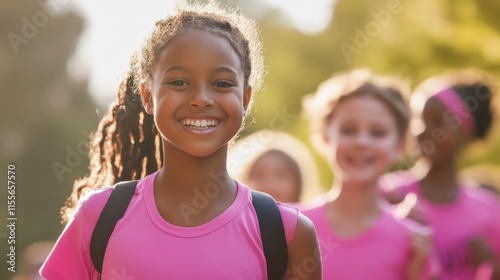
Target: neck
355, 200
439, 183
183, 173
192, 190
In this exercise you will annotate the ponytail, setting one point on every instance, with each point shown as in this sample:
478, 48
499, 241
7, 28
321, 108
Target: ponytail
126, 146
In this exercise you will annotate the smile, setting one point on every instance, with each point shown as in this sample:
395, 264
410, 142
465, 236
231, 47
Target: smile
199, 123
360, 162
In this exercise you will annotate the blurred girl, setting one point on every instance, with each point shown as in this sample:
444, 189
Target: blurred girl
276, 163
188, 219
360, 120
454, 110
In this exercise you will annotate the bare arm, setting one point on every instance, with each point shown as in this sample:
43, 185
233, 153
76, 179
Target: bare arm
304, 258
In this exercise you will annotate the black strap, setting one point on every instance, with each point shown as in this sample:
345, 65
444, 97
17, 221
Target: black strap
270, 224
272, 234
113, 211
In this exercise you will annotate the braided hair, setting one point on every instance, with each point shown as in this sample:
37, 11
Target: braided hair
127, 145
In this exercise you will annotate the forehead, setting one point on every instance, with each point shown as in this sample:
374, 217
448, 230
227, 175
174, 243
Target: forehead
433, 108
274, 160
199, 49
363, 108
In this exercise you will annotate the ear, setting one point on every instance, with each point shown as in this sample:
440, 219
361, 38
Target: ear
247, 96
147, 99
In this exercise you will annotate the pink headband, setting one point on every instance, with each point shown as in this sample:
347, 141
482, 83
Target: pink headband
454, 103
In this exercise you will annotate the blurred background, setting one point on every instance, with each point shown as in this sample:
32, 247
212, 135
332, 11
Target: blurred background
61, 61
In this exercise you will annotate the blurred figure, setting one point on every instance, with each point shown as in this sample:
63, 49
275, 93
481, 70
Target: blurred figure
32, 259
453, 110
360, 122
276, 163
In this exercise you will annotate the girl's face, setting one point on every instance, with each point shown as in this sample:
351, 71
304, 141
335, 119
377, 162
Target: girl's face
362, 140
271, 173
438, 138
197, 96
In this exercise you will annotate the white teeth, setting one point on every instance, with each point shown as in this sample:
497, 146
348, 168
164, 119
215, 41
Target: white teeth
199, 124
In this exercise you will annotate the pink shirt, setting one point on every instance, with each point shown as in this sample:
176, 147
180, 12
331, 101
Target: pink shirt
473, 214
380, 253
145, 246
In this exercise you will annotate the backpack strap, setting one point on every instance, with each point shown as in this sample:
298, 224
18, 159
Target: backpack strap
268, 214
113, 211
272, 234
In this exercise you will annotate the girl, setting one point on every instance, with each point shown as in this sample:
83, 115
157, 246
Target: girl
361, 122
453, 111
188, 220
276, 163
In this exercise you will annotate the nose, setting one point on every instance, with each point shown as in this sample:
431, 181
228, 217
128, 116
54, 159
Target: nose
362, 138
201, 97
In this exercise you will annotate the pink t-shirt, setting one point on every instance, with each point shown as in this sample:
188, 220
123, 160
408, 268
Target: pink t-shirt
473, 214
380, 253
145, 246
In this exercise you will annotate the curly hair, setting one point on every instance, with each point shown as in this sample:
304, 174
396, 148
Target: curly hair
241, 33
127, 145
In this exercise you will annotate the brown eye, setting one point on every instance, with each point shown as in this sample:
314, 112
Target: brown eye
223, 84
379, 133
178, 83
348, 131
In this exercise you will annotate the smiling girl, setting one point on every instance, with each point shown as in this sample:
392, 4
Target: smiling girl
196, 73
360, 122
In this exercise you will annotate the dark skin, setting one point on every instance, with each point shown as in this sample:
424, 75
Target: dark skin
176, 186
199, 77
440, 185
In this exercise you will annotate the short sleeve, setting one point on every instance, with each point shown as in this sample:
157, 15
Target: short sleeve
70, 257
289, 215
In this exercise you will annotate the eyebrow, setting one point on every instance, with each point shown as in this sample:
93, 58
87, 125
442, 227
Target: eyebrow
184, 69
175, 68
225, 69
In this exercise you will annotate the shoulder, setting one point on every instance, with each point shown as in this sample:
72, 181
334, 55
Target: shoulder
304, 247
289, 216
303, 225
93, 202
482, 196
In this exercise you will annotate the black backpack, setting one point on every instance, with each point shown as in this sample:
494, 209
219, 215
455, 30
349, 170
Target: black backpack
268, 214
